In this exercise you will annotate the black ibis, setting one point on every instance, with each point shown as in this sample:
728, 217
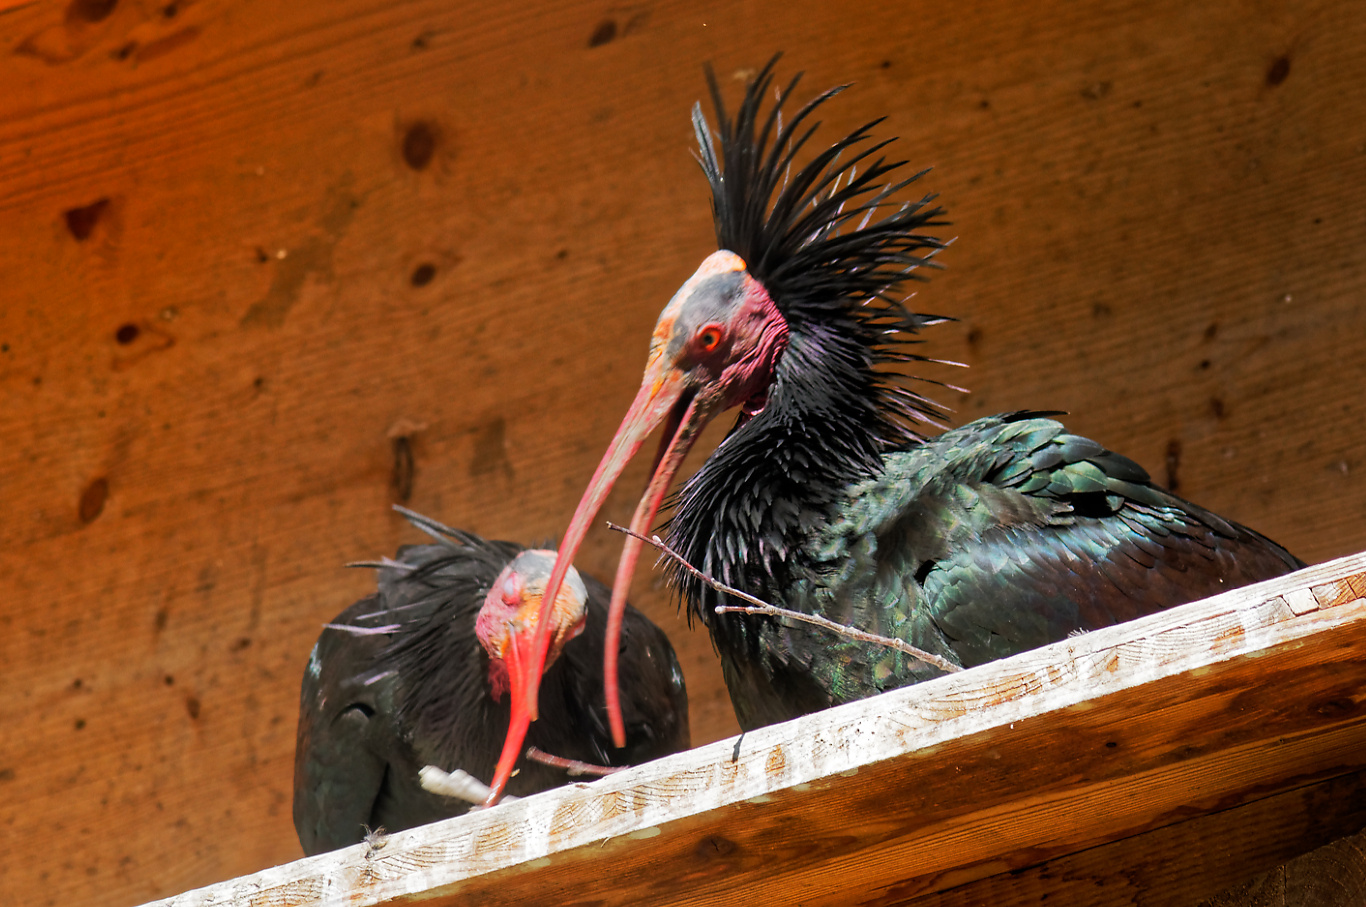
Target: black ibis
430, 669
828, 496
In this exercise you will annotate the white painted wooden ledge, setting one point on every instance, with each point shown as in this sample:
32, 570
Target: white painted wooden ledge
1109, 737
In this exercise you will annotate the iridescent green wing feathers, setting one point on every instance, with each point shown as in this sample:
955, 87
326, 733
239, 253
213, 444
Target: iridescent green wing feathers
1007, 534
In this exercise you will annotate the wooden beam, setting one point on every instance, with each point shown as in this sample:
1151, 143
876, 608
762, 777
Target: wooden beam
1091, 740
1181, 863
1333, 875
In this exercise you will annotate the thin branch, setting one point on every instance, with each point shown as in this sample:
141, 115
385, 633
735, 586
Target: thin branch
573, 767
852, 632
458, 785
761, 607
714, 583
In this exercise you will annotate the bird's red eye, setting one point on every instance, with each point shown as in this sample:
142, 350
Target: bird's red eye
708, 338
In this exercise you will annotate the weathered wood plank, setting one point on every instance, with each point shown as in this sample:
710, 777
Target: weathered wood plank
243, 241
1091, 740
1333, 875
1181, 863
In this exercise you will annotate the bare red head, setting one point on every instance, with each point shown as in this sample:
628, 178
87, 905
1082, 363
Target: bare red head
507, 627
715, 347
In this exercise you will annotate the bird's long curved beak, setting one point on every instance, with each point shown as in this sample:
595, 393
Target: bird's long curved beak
668, 396
524, 686
664, 398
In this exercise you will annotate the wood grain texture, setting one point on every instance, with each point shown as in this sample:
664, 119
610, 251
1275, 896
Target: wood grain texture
994, 770
1333, 875
245, 244
1191, 862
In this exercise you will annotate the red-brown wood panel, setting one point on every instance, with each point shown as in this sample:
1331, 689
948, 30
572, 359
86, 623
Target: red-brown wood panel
246, 244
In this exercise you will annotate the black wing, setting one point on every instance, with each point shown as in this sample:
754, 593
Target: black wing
1003, 535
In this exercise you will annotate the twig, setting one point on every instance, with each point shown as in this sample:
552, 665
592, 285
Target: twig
573, 767
854, 633
761, 607
458, 785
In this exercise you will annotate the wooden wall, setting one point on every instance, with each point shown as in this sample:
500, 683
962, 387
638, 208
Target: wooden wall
247, 245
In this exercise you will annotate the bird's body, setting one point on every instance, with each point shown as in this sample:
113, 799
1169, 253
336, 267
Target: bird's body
826, 498
400, 680
1003, 535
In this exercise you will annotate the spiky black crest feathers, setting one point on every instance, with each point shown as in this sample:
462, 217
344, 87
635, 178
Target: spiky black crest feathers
835, 251
829, 243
